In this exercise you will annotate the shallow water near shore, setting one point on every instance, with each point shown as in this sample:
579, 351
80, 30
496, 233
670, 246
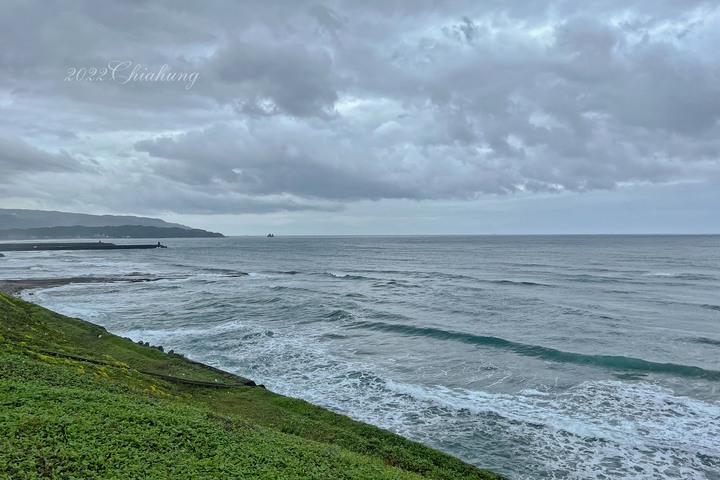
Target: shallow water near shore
537, 357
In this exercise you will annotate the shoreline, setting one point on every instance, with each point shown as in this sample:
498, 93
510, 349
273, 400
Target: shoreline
16, 286
107, 386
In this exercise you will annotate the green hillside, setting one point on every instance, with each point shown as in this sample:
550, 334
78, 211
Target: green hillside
125, 231
79, 402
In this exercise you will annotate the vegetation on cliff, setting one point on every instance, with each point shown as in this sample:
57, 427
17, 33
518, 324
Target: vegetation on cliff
79, 402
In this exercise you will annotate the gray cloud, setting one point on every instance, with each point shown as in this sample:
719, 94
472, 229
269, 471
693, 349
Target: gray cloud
17, 156
312, 105
276, 79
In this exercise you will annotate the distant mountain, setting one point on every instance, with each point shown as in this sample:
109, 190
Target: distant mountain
123, 231
40, 224
10, 218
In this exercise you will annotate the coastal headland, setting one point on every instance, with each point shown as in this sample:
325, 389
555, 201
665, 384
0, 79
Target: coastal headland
80, 402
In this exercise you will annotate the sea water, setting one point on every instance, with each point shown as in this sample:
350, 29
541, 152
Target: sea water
534, 356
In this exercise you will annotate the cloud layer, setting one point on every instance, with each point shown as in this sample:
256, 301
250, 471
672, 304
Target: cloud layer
312, 106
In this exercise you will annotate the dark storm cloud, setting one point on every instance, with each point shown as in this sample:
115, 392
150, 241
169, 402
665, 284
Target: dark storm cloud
294, 80
309, 105
17, 156
271, 159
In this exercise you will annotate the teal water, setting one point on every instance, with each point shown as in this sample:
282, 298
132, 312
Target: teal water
538, 357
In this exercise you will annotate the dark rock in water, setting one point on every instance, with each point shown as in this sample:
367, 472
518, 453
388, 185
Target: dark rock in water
1, 255
160, 347
171, 352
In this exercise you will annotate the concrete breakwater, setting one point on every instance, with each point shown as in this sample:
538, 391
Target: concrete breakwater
44, 246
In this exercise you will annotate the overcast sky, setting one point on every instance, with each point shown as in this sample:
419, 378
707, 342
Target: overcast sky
377, 117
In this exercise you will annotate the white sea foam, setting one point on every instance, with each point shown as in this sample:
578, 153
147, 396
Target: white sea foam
596, 428
258, 275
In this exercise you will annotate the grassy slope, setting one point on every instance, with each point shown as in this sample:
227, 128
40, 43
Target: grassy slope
66, 418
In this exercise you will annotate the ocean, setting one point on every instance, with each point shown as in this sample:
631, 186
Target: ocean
534, 356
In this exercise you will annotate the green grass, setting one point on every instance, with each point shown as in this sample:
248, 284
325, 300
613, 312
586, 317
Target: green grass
62, 417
